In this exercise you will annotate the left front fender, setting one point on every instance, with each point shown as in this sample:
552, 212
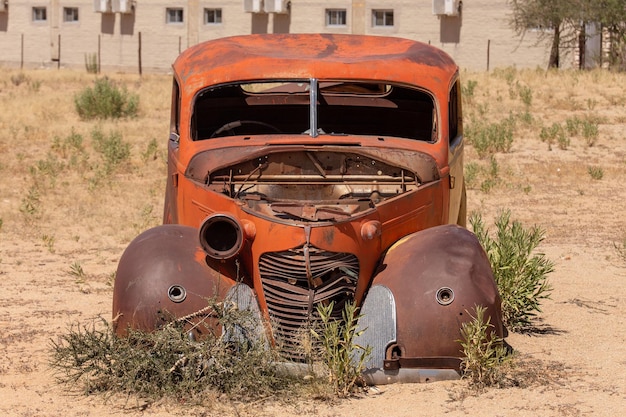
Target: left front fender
162, 274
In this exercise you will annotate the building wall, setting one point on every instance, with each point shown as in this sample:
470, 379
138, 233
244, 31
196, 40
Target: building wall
477, 38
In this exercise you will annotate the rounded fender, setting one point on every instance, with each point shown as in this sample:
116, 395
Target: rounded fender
164, 273
436, 278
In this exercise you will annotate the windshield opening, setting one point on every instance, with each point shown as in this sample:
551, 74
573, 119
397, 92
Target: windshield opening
341, 108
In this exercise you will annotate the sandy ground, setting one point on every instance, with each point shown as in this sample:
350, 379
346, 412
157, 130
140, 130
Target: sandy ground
578, 354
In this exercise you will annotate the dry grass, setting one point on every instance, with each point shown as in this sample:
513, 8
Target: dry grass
70, 207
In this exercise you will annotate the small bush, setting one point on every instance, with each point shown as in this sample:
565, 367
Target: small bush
590, 132
114, 150
31, 206
151, 152
595, 173
19, 78
555, 133
167, 362
344, 359
106, 100
488, 138
483, 177
72, 150
91, 63
484, 354
520, 273
468, 89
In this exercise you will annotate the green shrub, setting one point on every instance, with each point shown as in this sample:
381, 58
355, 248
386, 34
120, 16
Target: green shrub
520, 273
484, 353
555, 133
167, 362
106, 100
483, 177
468, 88
114, 150
595, 173
590, 132
488, 138
31, 205
344, 359
71, 149
91, 63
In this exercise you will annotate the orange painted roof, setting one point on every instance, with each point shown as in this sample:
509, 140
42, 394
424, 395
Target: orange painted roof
323, 56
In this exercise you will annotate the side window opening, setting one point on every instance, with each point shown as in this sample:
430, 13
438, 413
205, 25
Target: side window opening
455, 126
175, 115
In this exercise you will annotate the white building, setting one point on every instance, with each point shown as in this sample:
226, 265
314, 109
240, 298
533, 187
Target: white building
131, 34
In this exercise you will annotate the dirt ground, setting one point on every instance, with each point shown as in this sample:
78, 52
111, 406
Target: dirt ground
577, 355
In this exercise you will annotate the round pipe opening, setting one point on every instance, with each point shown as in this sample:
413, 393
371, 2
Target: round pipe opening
221, 236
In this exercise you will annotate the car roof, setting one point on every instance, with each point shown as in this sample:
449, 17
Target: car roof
323, 56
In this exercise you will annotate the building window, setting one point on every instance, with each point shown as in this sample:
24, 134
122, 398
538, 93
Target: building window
335, 17
382, 18
70, 14
173, 15
40, 14
212, 16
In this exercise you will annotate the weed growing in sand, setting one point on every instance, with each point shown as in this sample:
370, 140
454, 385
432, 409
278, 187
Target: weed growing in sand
344, 359
152, 151
72, 150
106, 100
488, 138
31, 206
484, 177
91, 63
520, 272
48, 240
468, 90
19, 78
76, 270
114, 150
595, 172
585, 127
555, 133
167, 362
484, 353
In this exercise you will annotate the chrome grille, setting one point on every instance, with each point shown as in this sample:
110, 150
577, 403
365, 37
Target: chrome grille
295, 281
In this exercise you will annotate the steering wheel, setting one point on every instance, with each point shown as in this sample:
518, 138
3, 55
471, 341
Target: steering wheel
231, 126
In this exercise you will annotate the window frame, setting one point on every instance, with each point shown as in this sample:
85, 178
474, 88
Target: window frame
217, 15
71, 15
337, 13
39, 14
386, 15
174, 12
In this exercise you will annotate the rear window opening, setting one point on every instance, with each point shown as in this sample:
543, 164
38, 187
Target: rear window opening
342, 108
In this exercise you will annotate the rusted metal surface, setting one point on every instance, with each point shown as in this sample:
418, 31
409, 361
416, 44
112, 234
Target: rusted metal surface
309, 169
437, 276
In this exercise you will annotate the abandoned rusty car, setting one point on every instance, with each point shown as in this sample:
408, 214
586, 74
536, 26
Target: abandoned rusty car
308, 169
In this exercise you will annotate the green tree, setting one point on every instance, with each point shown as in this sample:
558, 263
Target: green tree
549, 15
564, 24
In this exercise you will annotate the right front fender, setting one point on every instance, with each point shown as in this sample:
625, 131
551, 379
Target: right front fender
427, 286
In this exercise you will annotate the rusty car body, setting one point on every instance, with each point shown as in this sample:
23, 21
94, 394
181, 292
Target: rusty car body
311, 168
